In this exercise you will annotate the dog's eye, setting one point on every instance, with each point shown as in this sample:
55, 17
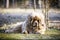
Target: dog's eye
38, 20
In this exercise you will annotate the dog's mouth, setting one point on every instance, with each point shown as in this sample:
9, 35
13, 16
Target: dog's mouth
35, 30
34, 27
35, 24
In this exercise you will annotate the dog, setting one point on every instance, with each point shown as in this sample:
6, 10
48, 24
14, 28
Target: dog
34, 24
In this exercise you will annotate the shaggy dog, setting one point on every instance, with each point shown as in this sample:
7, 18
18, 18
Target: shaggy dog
34, 24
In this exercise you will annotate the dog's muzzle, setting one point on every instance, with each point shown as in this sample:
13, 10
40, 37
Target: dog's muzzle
35, 24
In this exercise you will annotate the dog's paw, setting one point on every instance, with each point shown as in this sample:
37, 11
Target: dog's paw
25, 32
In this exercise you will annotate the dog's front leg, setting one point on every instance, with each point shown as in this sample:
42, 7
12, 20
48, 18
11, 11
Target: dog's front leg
25, 32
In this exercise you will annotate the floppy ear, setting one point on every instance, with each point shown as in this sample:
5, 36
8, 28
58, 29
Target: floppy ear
29, 18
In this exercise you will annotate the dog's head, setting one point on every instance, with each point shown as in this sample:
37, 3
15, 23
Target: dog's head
35, 22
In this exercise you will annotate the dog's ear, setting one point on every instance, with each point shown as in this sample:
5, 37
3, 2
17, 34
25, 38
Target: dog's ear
29, 18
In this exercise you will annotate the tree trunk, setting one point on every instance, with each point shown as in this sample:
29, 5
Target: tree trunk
34, 4
7, 3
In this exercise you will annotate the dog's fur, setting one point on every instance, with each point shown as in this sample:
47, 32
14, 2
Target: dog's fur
34, 23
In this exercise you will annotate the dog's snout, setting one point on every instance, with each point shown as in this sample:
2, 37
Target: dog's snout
35, 23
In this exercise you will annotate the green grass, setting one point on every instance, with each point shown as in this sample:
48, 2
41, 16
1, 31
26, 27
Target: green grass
49, 34
52, 31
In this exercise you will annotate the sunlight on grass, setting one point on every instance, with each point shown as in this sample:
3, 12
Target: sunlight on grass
50, 34
52, 31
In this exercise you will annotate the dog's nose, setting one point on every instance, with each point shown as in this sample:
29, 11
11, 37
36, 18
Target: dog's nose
35, 24
38, 28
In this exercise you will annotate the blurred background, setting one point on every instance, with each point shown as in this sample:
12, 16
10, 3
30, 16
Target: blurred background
12, 11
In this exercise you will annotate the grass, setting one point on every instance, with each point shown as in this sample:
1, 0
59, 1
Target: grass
52, 31
49, 34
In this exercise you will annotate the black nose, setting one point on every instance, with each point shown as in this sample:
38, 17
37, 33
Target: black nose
38, 28
35, 23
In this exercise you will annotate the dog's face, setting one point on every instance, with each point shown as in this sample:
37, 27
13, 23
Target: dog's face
34, 23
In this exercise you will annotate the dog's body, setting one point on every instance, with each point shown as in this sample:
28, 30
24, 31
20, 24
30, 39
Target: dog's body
33, 24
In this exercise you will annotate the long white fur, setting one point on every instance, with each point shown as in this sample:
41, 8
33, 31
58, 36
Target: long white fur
40, 15
13, 27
